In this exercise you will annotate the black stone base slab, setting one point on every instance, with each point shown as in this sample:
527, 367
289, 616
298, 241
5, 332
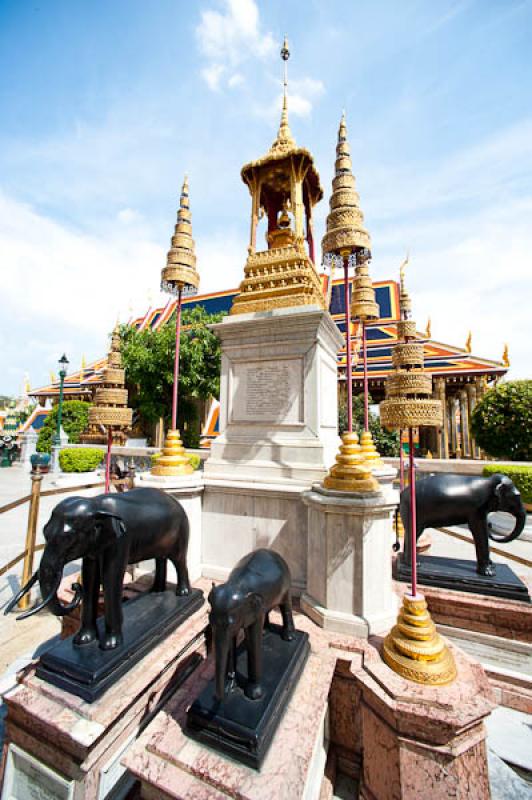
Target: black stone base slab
461, 575
241, 727
88, 671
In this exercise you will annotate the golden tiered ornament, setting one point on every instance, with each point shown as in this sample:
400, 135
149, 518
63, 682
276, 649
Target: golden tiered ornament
347, 239
284, 184
110, 409
179, 277
413, 648
350, 473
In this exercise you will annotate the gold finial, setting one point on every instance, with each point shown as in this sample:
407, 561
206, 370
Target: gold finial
428, 331
83, 362
505, 356
180, 273
468, 342
26, 388
402, 269
53, 378
284, 141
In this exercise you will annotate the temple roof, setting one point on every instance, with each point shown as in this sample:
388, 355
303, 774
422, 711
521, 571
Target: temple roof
441, 359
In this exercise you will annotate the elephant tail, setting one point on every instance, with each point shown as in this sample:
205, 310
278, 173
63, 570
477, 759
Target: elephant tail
520, 520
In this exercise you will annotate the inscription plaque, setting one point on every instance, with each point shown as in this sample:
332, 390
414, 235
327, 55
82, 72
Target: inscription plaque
29, 779
268, 391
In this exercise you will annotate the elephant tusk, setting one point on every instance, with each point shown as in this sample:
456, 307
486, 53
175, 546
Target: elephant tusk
31, 611
21, 592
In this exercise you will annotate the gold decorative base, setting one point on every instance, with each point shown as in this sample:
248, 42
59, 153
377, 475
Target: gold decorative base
174, 460
413, 648
350, 473
369, 451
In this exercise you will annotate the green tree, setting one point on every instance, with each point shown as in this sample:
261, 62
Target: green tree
386, 442
74, 420
148, 358
502, 421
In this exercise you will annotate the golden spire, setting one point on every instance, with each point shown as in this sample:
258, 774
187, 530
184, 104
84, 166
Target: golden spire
505, 356
468, 342
284, 141
428, 331
83, 363
180, 271
345, 228
26, 387
53, 378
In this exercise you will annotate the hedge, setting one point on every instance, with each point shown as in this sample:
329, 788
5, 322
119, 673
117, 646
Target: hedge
520, 475
85, 459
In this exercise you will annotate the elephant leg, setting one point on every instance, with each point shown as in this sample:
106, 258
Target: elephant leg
267, 623
159, 583
183, 582
479, 530
113, 570
231, 672
288, 619
253, 635
90, 578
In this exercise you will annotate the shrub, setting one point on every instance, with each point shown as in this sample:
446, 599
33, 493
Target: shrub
520, 475
85, 459
74, 420
195, 461
502, 421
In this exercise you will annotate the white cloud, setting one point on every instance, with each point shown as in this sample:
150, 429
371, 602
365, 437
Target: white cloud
128, 216
235, 80
229, 37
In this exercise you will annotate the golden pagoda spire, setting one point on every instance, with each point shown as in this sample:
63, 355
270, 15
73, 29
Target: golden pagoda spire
180, 270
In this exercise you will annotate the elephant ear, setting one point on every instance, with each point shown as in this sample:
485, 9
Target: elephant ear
117, 523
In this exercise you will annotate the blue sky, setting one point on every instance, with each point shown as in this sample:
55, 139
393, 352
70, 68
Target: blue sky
104, 107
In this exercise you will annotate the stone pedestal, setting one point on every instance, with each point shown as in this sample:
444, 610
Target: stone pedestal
188, 489
423, 741
63, 438
49, 730
240, 516
278, 397
29, 446
349, 564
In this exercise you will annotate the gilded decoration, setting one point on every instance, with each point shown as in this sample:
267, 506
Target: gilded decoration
110, 409
351, 472
284, 186
173, 460
414, 649
180, 271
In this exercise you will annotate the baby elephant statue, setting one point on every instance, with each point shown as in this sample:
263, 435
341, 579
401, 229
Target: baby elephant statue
109, 532
446, 499
259, 582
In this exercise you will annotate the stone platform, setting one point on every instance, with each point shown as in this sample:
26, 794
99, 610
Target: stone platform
401, 739
82, 743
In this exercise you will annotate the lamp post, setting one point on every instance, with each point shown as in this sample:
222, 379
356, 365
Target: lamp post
56, 443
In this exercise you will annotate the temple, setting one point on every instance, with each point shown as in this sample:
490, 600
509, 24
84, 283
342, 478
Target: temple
460, 378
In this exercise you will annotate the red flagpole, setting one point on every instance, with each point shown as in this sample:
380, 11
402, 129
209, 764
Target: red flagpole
108, 461
348, 346
366, 391
413, 537
176, 359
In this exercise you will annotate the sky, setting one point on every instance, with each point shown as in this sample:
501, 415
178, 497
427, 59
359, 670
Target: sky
104, 108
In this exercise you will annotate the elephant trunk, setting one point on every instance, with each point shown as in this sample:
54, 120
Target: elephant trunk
520, 520
50, 574
222, 642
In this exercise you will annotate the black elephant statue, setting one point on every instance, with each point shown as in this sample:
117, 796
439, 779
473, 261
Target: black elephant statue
259, 582
109, 532
447, 499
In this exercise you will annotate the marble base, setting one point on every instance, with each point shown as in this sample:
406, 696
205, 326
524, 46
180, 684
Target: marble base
240, 516
188, 489
349, 577
170, 766
84, 742
423, 741
278, 397
401, 739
